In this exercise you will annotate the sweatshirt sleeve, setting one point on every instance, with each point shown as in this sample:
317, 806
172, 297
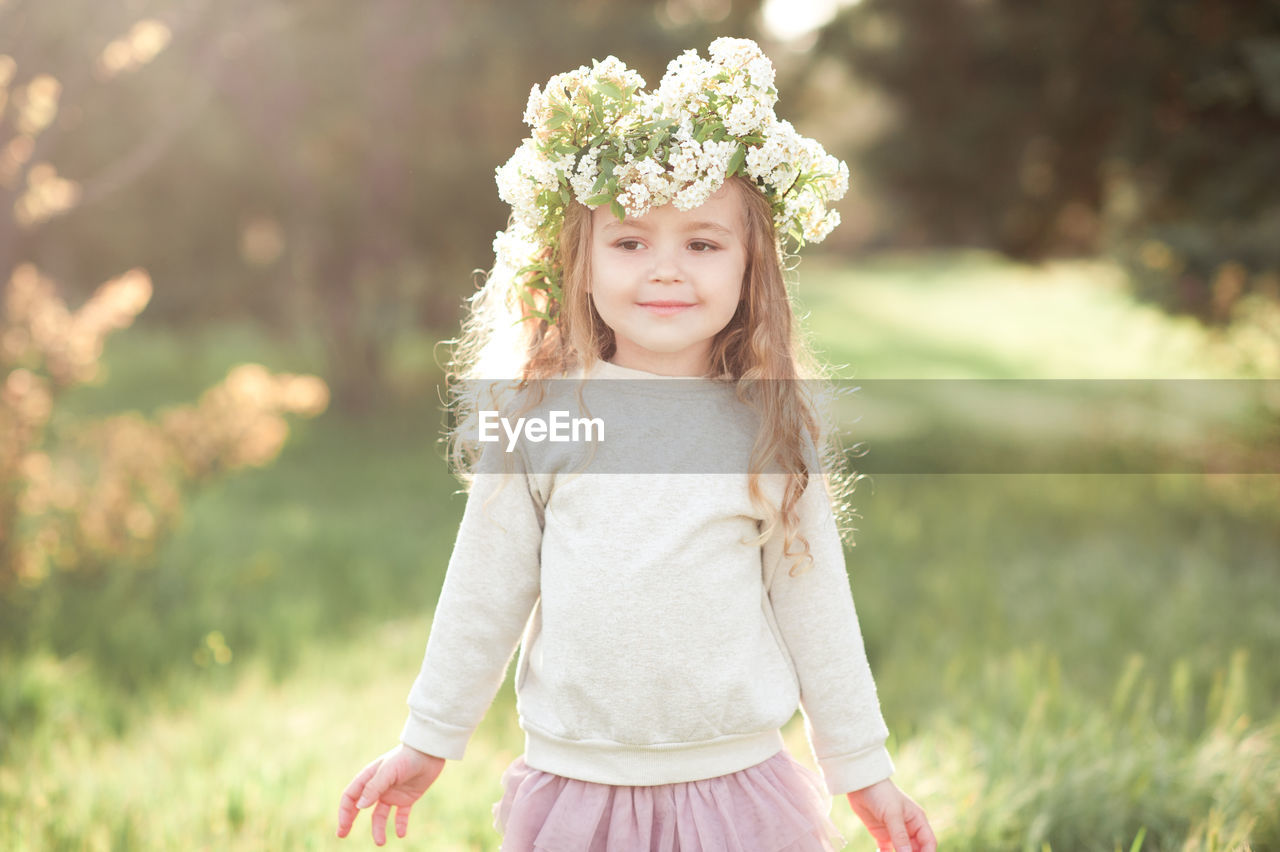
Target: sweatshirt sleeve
816, 617
489, 591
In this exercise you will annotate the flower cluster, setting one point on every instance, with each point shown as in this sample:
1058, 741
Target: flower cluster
599, 138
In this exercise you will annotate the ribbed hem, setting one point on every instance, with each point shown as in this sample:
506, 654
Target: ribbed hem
621, 764
850, 772
435, 738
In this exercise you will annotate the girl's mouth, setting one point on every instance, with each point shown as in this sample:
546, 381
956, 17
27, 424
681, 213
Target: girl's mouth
666, 308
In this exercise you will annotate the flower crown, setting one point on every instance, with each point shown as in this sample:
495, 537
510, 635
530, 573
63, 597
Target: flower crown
600, 139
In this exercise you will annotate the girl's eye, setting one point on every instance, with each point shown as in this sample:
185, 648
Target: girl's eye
628, 245
702, 247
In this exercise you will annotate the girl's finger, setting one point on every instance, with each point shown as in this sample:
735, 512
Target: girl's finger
347, 805
380, 823
375, 786
922, 832
898, 833
402, 820
883, 843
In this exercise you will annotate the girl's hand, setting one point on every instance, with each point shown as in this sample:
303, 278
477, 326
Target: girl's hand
897, 823
398, 778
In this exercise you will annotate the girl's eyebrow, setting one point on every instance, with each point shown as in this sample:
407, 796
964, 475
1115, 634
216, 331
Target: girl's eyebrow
706, 225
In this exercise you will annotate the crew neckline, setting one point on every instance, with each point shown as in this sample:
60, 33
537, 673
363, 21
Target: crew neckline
609, 370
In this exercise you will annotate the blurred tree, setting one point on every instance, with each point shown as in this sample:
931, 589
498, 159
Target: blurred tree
383, 128
1145, 127
321, 165
79, 496
59, 67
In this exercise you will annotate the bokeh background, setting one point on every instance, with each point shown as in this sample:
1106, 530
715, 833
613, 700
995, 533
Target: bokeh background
233, 235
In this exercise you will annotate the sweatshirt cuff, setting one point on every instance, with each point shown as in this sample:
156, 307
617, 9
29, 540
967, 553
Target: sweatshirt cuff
850, 772
435, 738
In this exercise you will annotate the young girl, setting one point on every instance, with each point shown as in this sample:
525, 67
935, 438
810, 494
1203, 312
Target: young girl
676, 604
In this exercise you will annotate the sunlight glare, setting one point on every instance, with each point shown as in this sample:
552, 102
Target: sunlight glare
791, 20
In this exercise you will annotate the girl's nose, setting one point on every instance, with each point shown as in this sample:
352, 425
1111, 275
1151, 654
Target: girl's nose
665, 267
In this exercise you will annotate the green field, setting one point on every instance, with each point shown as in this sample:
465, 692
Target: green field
1069, 661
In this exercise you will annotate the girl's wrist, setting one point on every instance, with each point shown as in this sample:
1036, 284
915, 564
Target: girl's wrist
862, 791
422, 753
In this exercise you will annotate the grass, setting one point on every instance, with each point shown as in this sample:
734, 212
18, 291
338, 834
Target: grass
1066, 661
972, 316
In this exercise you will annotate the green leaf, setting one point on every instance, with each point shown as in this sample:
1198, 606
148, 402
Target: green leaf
618, 210
735, 162
532, 314
597, 200
526, 296
611, 89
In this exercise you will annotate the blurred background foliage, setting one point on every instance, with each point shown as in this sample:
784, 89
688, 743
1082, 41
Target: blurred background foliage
324, 170
327, 171
1144, 130
300, 195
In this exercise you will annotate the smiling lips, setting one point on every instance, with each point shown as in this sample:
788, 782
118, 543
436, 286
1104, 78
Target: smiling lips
666, 307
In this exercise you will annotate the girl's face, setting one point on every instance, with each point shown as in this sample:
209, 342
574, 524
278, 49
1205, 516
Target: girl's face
668, 282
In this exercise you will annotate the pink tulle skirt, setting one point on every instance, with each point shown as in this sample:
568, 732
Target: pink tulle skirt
779, 805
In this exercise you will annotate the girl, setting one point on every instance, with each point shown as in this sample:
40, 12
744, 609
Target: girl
668, 623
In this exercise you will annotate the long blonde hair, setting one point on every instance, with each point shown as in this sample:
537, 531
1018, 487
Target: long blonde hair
762, 350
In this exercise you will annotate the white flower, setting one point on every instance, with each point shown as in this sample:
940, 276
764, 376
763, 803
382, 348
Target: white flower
533, 111
614, 71
635, 200
715, 157
761, 72
684, 87
817, 224
684, 161
514, 249
837, 182
799, 178
734, 51
744, 118
762, 160
697, 193
518, 184
585, 176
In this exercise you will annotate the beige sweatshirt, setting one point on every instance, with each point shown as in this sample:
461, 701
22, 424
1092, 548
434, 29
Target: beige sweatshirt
657, 643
